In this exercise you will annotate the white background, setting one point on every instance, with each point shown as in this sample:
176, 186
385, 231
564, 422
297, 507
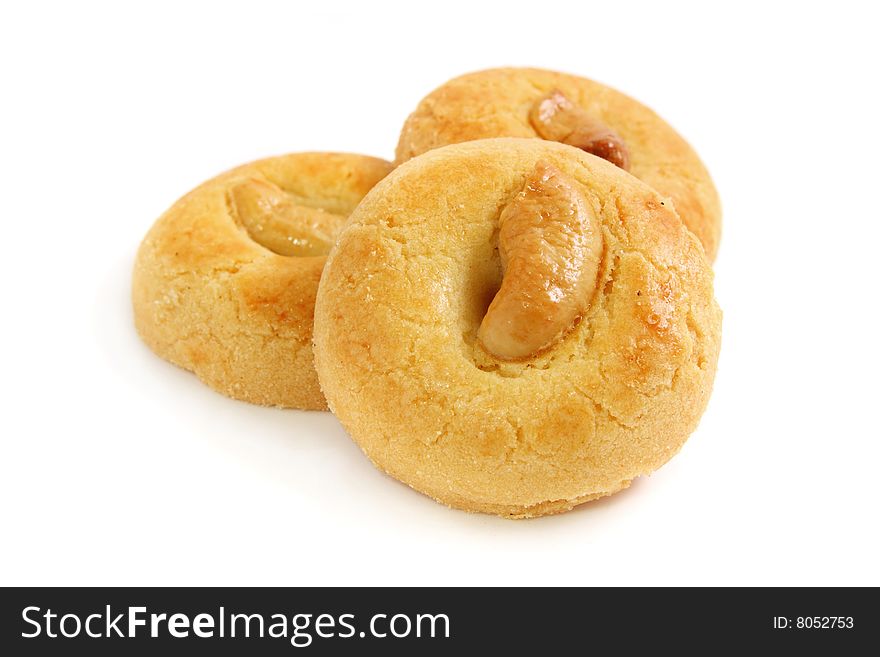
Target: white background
117, 468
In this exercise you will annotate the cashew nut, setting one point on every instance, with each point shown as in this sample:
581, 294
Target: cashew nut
274, 220
556, 118
550, 243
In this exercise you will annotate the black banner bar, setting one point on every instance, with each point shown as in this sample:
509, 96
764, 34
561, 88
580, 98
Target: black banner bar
114, 621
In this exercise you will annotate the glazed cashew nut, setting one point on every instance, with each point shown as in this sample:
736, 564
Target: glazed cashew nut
274, 220
554, 117
550, 243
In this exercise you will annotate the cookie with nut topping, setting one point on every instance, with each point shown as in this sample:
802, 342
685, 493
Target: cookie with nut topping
224, 283
527, 102
515, 327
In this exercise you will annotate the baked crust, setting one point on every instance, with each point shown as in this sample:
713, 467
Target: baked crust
210, 299
407, 285
496, 103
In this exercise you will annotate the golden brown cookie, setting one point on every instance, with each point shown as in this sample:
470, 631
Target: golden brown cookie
515, 327
528, 102
224, 283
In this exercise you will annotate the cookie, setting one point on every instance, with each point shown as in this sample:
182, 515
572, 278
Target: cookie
514, 326
224, 283
527, 102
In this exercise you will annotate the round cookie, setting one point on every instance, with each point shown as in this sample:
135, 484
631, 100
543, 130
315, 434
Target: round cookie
224, 283
513, 326
520, 102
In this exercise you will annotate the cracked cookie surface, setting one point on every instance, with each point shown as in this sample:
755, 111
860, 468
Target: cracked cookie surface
224, 283
400, 305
